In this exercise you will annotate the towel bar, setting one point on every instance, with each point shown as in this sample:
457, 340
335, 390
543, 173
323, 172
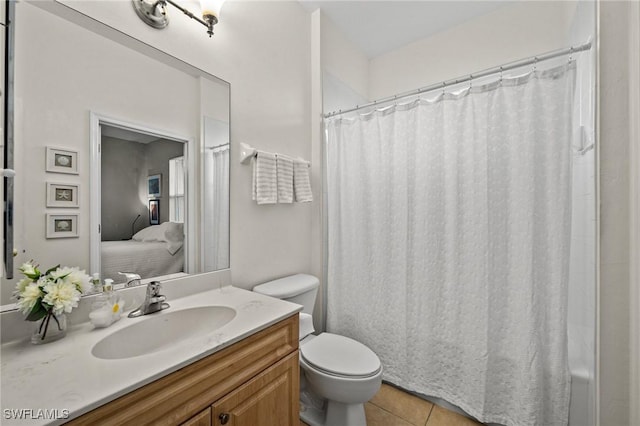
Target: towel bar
247, 152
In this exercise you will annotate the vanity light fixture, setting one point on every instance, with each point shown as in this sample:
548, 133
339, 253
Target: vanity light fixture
154, 12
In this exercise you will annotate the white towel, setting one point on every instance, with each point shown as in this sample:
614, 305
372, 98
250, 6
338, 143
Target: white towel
301, 183
284, 166
265, 188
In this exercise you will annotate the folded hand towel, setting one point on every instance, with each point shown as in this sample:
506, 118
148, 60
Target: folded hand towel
301, 183
265, 188
284, 166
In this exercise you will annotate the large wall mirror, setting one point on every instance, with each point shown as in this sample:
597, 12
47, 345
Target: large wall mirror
121, 153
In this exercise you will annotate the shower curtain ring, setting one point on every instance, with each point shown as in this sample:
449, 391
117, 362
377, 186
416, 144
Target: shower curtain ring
500, 75
570, 54
535, 63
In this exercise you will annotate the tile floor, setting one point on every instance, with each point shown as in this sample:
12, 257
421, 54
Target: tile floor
394, 407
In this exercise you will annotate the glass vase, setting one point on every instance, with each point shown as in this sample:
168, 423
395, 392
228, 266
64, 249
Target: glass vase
49, 329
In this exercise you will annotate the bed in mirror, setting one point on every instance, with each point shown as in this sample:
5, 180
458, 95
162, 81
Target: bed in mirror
147, 138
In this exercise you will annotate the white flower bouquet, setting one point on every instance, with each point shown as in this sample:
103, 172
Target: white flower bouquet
50, 295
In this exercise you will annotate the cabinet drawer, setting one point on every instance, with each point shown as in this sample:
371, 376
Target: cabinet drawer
271, 398
182, 394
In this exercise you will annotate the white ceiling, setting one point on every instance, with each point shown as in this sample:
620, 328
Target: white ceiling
379, 26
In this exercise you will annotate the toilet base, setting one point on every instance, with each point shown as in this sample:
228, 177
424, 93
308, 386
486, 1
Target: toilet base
345, 414
311, 415
335, 414
316, 410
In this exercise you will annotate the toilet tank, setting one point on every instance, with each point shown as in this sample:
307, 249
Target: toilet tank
299, 288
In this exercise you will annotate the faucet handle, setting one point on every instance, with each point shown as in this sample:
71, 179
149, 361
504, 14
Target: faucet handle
157, 299
130, 275
153, 289
131, 278
153, 302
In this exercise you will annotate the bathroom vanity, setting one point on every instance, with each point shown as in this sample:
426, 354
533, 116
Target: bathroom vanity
254, 381
244, 372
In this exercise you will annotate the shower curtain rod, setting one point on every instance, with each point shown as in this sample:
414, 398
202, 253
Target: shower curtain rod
469, 77
217, 146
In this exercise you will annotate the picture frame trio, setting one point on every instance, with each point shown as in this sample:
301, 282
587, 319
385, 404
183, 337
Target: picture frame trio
62, 194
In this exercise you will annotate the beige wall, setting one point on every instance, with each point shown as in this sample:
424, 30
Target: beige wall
126, 166
634, 300
342, 60
510, 33
122, 170
270, 109
615, 291
267, 63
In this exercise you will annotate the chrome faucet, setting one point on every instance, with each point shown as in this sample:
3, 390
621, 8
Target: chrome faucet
133, 279
153, 302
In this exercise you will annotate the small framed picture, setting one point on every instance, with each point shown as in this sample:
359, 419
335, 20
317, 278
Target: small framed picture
154, 212
62, 195
62, 225
154, 185
62, 161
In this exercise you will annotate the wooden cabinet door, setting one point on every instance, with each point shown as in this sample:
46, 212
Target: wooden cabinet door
271, 398
203, 418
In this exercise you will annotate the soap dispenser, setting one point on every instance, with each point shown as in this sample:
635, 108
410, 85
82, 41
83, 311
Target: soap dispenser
100, 299
108, 307
107, 288
97, 285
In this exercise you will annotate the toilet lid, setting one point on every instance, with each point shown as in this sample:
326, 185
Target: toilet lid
340, 355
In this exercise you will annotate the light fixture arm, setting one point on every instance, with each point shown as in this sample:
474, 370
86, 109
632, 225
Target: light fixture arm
154, 13
210, 19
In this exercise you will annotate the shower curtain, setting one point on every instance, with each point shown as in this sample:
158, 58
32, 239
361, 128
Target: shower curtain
448, 244
216, 208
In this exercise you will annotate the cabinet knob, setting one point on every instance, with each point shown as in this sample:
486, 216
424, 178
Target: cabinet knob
224, 418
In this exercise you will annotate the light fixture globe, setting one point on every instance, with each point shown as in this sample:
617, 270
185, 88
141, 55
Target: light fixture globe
211, 8
211, 13
152, 12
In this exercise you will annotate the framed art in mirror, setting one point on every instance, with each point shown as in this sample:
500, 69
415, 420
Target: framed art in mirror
155, 185
62, 225
61, 160
154, 212
63, 195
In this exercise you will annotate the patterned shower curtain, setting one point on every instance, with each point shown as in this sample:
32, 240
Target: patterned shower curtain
448, 244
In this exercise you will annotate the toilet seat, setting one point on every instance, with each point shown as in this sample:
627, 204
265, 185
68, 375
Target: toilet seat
340, 356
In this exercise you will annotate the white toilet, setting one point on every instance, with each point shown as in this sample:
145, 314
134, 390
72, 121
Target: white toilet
338, 374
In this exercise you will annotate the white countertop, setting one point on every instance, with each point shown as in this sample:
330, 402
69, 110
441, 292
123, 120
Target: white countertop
64, 377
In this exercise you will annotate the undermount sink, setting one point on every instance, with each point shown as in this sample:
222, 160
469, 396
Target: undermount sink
162, 331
